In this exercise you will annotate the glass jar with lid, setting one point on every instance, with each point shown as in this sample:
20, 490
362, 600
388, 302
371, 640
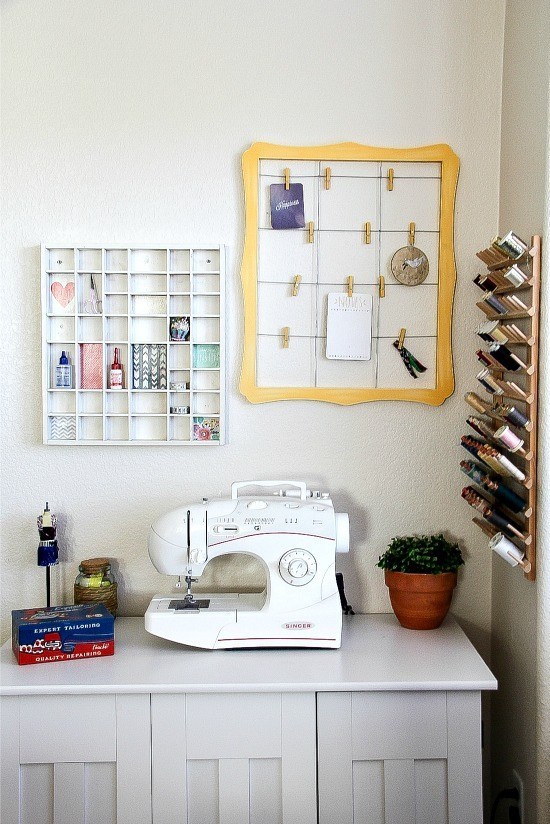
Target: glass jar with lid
95, 584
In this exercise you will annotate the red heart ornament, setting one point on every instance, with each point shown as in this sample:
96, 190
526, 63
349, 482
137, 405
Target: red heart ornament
63, 294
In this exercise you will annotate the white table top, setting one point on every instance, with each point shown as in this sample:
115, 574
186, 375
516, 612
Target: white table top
376, 654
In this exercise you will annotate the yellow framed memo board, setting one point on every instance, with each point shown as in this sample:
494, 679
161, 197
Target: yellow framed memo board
348, 273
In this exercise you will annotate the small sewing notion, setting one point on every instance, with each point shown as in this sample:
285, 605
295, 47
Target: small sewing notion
294, 532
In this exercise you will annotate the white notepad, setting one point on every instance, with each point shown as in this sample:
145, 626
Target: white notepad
349, 326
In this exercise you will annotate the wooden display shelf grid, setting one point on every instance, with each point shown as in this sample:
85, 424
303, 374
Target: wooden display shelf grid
530, 319
141, 288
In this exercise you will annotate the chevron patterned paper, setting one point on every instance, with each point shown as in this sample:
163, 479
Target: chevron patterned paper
149, 366
63, 428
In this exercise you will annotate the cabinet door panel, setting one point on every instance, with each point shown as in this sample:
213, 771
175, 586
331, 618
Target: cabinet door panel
368, 792
234, 790
283, 254
349, 203
202, 806
228, 715
399, 792
36, 795
266, 791
393, 725
54, 728
430, 778
345, 253
68, 794
371, 764
234, 758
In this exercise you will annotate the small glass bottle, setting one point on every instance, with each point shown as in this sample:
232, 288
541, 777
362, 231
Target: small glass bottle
63, 373
95, 584
115, 374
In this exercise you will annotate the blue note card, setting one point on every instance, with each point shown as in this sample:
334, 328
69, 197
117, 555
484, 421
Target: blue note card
287, 206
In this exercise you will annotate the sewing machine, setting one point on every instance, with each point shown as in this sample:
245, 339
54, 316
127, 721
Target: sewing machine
295, 533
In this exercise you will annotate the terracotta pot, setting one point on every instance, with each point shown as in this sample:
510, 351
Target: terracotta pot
420, 601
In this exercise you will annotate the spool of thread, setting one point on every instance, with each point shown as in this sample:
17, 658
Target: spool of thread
509, 438
495, 486
505, 495
495, 304
475, 402
511, 245
489, 383
500, 544
477, 501
505, 357
512, 468
499, 520
480, 427
515, 276
492, 331
486, 359
473, 471
514, 416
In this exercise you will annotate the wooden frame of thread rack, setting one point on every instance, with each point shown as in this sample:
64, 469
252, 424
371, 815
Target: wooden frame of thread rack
523, 337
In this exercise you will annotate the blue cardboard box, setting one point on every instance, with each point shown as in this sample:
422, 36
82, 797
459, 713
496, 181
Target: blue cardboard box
46, 634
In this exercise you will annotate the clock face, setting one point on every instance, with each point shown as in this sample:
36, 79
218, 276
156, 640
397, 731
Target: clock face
409, 266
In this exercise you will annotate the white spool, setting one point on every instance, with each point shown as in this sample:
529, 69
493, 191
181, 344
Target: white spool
500, 544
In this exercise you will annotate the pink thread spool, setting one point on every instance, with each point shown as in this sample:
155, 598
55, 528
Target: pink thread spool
509, 438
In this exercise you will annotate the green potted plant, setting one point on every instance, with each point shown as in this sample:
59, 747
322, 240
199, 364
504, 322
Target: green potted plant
420, 572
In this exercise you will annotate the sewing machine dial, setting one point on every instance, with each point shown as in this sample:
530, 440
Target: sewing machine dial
297, 567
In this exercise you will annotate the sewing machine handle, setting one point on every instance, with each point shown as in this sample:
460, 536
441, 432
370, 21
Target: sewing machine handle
298, 484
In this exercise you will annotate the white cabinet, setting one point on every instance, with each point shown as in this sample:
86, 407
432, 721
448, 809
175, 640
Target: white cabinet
75, 759
399, 758
160, 734
163, 311
234, 758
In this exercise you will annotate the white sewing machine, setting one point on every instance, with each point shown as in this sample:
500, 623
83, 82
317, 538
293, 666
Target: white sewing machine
294, 532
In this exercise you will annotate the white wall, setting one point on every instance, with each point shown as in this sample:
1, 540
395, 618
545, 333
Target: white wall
520, 642
125, 122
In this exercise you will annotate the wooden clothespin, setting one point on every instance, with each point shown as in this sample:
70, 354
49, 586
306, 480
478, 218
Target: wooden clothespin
350, 286
367, 232
295, 288
286, 173
412, 232
401, 340
286, 336
327, 177
390, 180
382, 286
310, 231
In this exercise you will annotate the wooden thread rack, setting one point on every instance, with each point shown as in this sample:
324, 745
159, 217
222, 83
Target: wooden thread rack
498, 264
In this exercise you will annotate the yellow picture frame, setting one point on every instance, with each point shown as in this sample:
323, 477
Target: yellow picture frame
444, 384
